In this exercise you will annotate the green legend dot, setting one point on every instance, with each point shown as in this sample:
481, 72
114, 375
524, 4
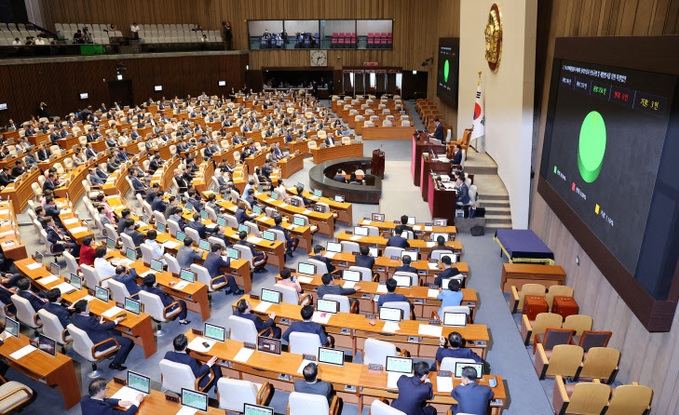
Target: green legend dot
592, 146
554, 169
446, 70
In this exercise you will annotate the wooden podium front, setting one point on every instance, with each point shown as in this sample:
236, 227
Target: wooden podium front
377, 164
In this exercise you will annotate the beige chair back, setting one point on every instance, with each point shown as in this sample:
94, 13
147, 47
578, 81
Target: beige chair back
565, 360
630, 400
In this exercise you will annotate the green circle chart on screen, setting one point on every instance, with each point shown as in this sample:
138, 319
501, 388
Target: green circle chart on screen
446, 70
592, 146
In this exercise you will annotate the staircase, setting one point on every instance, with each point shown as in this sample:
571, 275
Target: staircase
492, 192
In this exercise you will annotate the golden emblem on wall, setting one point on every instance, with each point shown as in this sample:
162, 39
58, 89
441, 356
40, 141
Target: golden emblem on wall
493, 34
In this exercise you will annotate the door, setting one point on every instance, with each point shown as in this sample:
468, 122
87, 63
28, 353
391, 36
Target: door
121, 92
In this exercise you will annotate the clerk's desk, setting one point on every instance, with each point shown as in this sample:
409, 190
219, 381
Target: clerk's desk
421, 231
57, 372
263, 221
138, 328
351, 330
424, 303
156, 404
353, 382
385, 267
419, 245
343, 209
324, 221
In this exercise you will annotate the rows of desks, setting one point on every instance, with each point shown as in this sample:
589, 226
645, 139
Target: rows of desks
340, 151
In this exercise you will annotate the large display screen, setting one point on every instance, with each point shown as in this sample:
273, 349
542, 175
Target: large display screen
607, 135
446, 80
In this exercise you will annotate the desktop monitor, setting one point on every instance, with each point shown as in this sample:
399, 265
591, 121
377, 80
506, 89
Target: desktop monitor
110, 243
187, 275
156, 265
133, 306
306, 268
298, 221
38, 257
221, 221
435, 237
327, 306
459, 367
411, 254
377, 217
268, 345
161, 227
145, 219
55, 269
76, 281
203, 214
233, 253
274, 196
319, 209
204, 245
454, 319
350, 275
411, 220
194, 400
138, 382
318, 193
402, 280
269, 236
12, 327
374, 251
360, 231
333, 247
131, 254
331, 356
181, 236
250, 409
339, 198
188, 207
391, 314
47, 345
214, 332
399, 364
243, 228
271, 296
101, 293
440, 222
256, 209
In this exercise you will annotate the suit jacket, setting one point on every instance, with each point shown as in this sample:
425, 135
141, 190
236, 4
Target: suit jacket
242, 216
213, 262
398, 241
138, 186
445, 274
137, 237
186, 256
37, 302
181, 182
459, 353
334, 289
412, 395
329, 141
438, 132
17, 171
164, 297
457, 158
317, 388
60, 311
5, 179
306, 327
365, 261
121, 225
197, 204
183, 358
472, 398
407, 268
89, 153
91, 406
391, 297
340, 178
463, 195
49, 184
102, 174
324, 260
96, 331
198, 225
158, 205
96, 180
259, 323
128, 281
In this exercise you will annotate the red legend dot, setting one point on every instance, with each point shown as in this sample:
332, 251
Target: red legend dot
573, 186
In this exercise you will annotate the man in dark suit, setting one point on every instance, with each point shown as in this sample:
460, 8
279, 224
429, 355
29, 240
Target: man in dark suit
194, 200
24, 291
5, 176
364, 259
438, 131
244, 309
158, 205
132, 232
182, 186
259, 258
290, 242
151, 193
95, 180
198, 225
391, 295
329, 287
59, 241
213, 262
308, 326
456, 349
406, 267
457, 156
125, 214
156, 163
18, 169
471, 397
99, 331
97, 404
50, 182
462, 191
126, 276
151, 287
179, 355
55, 307
318, 257
329, 141
398, 241
310, 383
299, 191
414, 392
404, 227
339, 177
440, 245
137, 185
448, 271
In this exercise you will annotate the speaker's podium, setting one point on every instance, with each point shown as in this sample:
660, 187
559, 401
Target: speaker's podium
377, 164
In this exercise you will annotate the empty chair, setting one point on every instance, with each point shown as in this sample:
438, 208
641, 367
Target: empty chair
542, 321
160, 313
82, 344
631, 399
393, 251
26, 313
601, 363
586, 399
578, 322
437, 253
306, 403
71, 264
456, 309
380, 408
376, 351
304, 343
290, 295
172, 264
350, 247
552, 337
564, 360
127, 241
177, 376
414, 279
14, 396
51, 327
234, 393
517, 296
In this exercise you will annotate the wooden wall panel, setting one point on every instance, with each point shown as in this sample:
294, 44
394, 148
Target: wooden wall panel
649, 358
60, 83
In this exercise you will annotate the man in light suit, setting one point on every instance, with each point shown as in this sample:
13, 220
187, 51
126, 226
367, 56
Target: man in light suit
179, 355
471, 397
414, 392
96, 403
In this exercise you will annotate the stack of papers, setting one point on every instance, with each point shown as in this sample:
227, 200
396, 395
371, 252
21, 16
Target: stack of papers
428, 228
170, 244
349, 285
187, 411
433, 265
355, 237
444, 384
70, 221
180, 285
78, 229
330, 255
392, 379
432, 293
126, 394
306, 212
382, 289
304, 280
33, 266
254, 239
64, 287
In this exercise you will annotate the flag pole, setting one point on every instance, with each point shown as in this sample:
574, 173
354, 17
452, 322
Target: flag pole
479, 81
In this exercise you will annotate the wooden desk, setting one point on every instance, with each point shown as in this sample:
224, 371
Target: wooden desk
12, 245
344, 210
156, 404
422, 231
324, 221
387, 133
337, 152
519, 274
302, 146
57, 372
281, 372
351, 331
416, 162
419, 245
441, 201
291, 164
256, 160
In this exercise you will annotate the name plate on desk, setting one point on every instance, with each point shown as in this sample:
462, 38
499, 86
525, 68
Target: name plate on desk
471, 303
254, 297
309, 357
434, 323
444, 374
119, 381
370, 316
375, 368
171, 398
249, 345
197, 332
